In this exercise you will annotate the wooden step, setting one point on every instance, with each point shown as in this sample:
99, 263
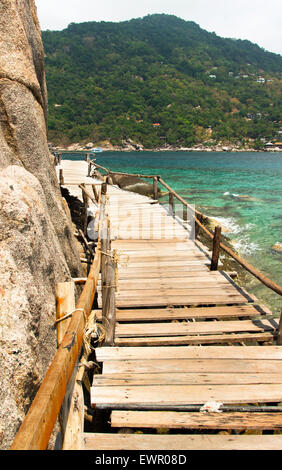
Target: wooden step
97, 441
199, 420
184, 378
231, 365
202, 313
178, 395
188, 340
192, 352
164, 300
193, 328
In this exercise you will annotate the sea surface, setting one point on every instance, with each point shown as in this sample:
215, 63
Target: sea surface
242, 190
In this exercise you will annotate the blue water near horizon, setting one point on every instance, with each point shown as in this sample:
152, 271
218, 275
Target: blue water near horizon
242, 190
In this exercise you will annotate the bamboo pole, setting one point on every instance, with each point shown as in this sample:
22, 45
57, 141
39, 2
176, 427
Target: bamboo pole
36, 429
96, 196
87, 193
109, 172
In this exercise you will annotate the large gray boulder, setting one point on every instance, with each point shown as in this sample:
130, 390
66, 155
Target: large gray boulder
37, 246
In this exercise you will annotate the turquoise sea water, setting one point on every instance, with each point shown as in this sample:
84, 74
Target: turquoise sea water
214, 182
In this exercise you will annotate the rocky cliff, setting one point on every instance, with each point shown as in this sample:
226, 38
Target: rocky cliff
37, 248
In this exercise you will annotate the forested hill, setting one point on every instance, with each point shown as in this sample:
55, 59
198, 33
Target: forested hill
159, 80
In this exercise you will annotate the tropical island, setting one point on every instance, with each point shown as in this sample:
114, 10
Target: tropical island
160, 82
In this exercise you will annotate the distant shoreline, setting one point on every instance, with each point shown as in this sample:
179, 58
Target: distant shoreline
131, 148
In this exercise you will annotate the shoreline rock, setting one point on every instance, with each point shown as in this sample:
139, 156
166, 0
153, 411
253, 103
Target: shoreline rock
130, 146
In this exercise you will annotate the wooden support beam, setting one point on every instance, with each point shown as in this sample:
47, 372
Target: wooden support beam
85, 198
103, 189
36, 429
216, 248
108, 291
86, 243
96, 196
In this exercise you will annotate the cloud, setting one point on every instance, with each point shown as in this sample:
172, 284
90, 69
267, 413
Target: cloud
256, 20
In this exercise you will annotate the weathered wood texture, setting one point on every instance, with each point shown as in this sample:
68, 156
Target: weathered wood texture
36, 428
65, 298
98, 441
186, 420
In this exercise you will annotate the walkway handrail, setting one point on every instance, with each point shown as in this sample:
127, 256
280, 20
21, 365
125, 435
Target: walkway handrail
198, 215
251, 269
37, 427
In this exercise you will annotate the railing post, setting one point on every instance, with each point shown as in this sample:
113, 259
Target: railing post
95, 192
215, 248
279, 333
89, 167
108, 291
103, 189
62, 182
155, 188
171, 204
184, 213
85, 209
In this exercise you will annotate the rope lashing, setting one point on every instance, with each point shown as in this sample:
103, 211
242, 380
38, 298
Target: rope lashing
68, 315
116, 257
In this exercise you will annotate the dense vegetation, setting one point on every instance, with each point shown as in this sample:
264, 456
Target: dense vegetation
159, 80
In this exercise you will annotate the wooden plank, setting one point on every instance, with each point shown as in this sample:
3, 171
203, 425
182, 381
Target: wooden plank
177, 395
181, 271
182, 420
98, 441
226, 366
175, 292
193, 328
184, 313
180, 300
174, 283
181, 378
166, 263
191, 352
189, 340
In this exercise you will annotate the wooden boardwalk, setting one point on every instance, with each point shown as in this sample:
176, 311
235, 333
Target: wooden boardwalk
193, 363
180, 343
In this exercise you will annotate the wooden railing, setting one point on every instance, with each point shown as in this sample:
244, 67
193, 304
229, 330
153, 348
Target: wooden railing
37, 427
215, 236
199, 218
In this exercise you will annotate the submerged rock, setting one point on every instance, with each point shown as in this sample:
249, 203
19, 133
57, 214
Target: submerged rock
277, 247
133, 183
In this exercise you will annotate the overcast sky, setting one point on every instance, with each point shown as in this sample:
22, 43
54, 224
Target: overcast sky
260, 21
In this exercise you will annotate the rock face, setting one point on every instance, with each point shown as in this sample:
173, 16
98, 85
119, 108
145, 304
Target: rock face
133, 183
37, 247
